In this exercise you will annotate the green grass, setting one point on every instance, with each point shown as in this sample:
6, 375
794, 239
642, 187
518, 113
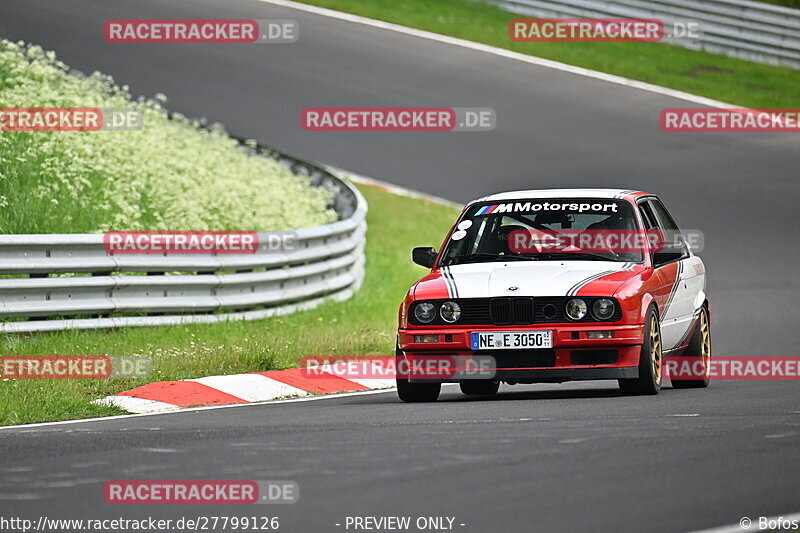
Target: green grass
173, 174
714, 76
362, 325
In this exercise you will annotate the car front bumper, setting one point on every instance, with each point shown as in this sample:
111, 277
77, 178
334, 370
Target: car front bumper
573, 355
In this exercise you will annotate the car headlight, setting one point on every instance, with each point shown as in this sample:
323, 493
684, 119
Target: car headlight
425, 312
450, 312
576, 309
603, 309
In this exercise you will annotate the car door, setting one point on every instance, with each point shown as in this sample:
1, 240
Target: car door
687, 274
665, 274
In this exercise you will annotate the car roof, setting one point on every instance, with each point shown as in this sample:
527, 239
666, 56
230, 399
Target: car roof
562, 193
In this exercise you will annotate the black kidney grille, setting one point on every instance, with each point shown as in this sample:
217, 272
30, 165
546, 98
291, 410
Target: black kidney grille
500, 310
511, 310
522, 310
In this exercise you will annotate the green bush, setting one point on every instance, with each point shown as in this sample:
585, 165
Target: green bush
173, 174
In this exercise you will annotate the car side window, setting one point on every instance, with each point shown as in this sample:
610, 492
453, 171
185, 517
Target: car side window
674, 246
664, 218
647, 216
669, 227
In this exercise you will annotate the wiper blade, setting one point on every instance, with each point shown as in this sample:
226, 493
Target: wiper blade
488, 257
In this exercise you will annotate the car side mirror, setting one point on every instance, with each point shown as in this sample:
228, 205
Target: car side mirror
667, 252
423, 256
665, 248
661, 258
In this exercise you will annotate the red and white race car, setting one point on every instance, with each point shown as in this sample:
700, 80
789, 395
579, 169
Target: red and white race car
552, 286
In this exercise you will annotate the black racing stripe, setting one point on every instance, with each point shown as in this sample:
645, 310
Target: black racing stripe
451, 282
569, 292
575, 288
447, 282
572, 289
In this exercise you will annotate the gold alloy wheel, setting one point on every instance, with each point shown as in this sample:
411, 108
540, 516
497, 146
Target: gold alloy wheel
655, 348
705, 342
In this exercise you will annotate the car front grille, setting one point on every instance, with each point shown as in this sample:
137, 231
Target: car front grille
516, 310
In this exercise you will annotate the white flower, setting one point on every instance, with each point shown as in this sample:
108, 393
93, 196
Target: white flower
173, 174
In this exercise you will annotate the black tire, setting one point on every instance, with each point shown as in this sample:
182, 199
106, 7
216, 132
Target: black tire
480, 387
650, 361
417, 392
699, 349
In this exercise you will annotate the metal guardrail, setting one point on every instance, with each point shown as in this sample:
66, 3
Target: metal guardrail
749, 30
325, 262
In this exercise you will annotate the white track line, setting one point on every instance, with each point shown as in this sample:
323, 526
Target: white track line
194, 409
394, 189
533, 60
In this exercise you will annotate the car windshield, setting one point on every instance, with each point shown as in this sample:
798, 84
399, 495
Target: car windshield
569, 229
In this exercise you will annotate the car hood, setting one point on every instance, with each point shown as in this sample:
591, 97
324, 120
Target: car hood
544, 278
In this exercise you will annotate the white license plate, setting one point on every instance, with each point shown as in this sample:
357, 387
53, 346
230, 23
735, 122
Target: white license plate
512, 340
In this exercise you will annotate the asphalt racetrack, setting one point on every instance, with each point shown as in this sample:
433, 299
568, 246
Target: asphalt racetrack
572, 457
